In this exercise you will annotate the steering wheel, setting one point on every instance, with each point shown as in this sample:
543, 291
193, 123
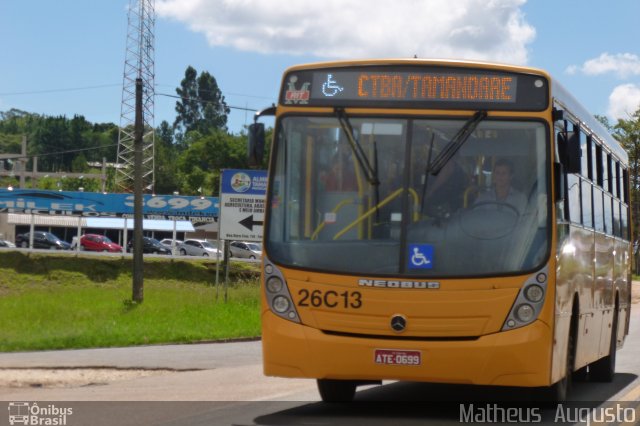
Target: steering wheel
489, 220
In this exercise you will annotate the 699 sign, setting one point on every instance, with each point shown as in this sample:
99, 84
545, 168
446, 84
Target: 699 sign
189, 206
330, 299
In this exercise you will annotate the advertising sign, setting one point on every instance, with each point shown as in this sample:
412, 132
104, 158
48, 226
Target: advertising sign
242, 200
92, 204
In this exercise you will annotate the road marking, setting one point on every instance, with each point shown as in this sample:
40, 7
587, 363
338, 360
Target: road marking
632, 395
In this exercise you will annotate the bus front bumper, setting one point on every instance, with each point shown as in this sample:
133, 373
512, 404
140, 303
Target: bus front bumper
520, 357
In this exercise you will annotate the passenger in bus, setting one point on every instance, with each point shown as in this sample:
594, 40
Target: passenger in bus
503, 190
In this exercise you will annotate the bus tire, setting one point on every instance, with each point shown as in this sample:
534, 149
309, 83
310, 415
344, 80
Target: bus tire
559, 391
336, 390
604, 369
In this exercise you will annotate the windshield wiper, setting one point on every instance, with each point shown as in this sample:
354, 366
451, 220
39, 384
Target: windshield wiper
456, 143
370, 172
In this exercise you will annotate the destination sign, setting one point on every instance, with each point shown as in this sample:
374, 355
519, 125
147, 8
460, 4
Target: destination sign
418, 87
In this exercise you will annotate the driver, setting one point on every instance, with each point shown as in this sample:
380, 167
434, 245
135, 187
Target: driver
503, 191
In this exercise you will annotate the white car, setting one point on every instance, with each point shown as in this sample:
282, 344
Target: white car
7, 244
245, 250
199, 248
168, 242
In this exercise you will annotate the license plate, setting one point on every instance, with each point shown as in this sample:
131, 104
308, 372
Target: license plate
397, 357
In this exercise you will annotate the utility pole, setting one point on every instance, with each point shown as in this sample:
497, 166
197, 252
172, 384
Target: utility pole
138, 262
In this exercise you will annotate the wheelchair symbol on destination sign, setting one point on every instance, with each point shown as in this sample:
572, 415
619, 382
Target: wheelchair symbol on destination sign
330, 87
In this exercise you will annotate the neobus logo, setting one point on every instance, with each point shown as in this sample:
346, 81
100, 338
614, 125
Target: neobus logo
398, 284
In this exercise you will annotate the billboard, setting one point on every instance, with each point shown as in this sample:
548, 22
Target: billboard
92, 204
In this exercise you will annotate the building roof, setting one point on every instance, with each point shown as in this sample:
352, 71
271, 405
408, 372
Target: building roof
99, 222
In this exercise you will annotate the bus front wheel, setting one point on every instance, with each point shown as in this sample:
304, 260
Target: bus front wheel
559, 391
336, 390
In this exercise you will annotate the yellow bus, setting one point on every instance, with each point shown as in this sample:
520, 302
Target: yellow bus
441, 221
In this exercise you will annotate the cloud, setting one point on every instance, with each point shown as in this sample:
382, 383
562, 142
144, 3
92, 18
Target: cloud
493, 30
622, 64
624, 101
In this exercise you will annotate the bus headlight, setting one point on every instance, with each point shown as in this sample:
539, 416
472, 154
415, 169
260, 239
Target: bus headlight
525, 312
534, 293
280, 304
274, 285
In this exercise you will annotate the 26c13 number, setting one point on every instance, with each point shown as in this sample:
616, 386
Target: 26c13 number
330, 299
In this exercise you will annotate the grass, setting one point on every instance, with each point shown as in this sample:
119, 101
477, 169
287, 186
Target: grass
55, 301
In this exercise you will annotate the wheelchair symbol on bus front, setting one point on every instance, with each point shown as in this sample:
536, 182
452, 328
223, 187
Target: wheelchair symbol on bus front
420, 256
330, 87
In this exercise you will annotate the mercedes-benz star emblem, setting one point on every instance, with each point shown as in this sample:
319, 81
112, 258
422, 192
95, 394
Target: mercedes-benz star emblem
398, 323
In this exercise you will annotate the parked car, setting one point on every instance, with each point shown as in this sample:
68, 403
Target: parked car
199, 248
94, 242
168, 242
150, 245
6, 244
245, 250
42, 240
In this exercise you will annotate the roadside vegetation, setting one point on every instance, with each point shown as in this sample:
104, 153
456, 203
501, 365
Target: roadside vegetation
52, 301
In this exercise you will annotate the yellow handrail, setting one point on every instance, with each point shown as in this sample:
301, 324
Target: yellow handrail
340, 205
376, 207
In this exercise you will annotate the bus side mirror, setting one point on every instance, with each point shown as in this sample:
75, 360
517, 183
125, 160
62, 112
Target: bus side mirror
256, 144
570, 153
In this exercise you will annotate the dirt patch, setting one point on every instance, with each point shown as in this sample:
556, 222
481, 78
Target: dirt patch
69, 377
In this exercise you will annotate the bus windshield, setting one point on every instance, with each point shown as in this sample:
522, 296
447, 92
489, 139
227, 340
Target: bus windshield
484, 211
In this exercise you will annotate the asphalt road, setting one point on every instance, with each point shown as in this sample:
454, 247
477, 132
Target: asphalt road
222, 384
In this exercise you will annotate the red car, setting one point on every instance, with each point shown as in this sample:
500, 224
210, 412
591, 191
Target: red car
94, 242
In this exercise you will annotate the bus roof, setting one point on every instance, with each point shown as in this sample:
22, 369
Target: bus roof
419, 62
574, 107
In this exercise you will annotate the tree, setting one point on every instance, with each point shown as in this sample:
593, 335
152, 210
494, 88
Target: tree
165, 160
627, 132
199, 165
201, 106
214, 107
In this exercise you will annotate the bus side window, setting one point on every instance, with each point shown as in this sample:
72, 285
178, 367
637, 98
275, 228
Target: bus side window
608, 214
618, 181
599, 178
573, 181
585, 150
609, 173
598, 214
617, 228
624, 221
587, 204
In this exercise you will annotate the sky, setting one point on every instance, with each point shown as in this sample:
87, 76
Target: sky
66, 57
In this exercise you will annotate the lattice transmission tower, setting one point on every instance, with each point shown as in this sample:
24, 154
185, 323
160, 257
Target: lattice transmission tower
139, 63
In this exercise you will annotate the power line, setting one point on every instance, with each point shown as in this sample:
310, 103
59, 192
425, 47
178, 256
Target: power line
46, 154
203, 101
225, 93
102, 86
69, 89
